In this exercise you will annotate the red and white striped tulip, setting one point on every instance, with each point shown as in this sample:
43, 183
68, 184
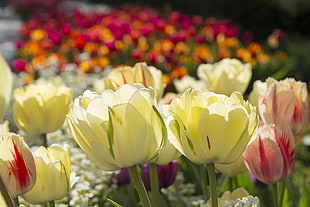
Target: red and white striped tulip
17, 166
270, 157
286, 103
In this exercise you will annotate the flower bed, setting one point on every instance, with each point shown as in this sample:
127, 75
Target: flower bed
177, 96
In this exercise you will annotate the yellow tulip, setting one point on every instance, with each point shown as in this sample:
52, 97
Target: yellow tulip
212, 128
225, 76
17, 165
53, 167
41, 107
239, 197
6, 84
258, 91
118, 129
189, 82
149, 76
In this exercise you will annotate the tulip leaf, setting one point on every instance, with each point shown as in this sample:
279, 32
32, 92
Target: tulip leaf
114, 203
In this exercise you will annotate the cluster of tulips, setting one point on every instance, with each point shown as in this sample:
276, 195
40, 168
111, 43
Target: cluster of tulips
174, 42
131, 124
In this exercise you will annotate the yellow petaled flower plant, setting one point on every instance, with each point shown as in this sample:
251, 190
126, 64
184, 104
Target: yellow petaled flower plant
118, 129
211, 128
41, 107
53, 167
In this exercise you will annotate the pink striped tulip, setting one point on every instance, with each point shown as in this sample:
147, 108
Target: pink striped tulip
17, 166
270, 157
286, 103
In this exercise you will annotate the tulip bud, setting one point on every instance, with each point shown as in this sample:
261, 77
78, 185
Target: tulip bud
17, 165
41, 107
149, 76
270, 157
166, 174
226, 76
53, 168
286, 103
6, 84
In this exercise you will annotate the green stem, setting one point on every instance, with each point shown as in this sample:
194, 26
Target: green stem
139, 186
5, 194
230, 184
16, 201
44, 140
212, 182
281, 192
154, 184
204, 183
52, 204
275, 194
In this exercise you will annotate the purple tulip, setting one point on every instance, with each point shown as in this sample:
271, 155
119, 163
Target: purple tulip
166, 174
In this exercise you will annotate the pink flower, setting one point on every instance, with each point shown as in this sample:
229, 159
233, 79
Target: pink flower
17, 166
19, 65
270, 157
286, 103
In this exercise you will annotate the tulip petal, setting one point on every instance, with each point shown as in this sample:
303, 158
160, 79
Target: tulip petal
263, 158
127, 139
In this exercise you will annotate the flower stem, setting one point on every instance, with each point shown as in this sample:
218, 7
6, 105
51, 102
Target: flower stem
230, 184
212, 182
281, 192
52, 204
275, 194
139, 186
203, 174
16, 201
154, 184
5, 194
44, 140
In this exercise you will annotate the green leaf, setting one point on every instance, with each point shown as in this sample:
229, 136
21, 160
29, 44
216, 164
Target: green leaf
114, 203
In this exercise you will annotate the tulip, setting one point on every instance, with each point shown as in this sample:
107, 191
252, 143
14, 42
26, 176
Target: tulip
17, 164
211, 128
118, 129
53, 167
270, 157
166, 174
189, 82
123, 177
239, 197
149, 76
258, 91
41, 107
225, 76
6, 84
286, 103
